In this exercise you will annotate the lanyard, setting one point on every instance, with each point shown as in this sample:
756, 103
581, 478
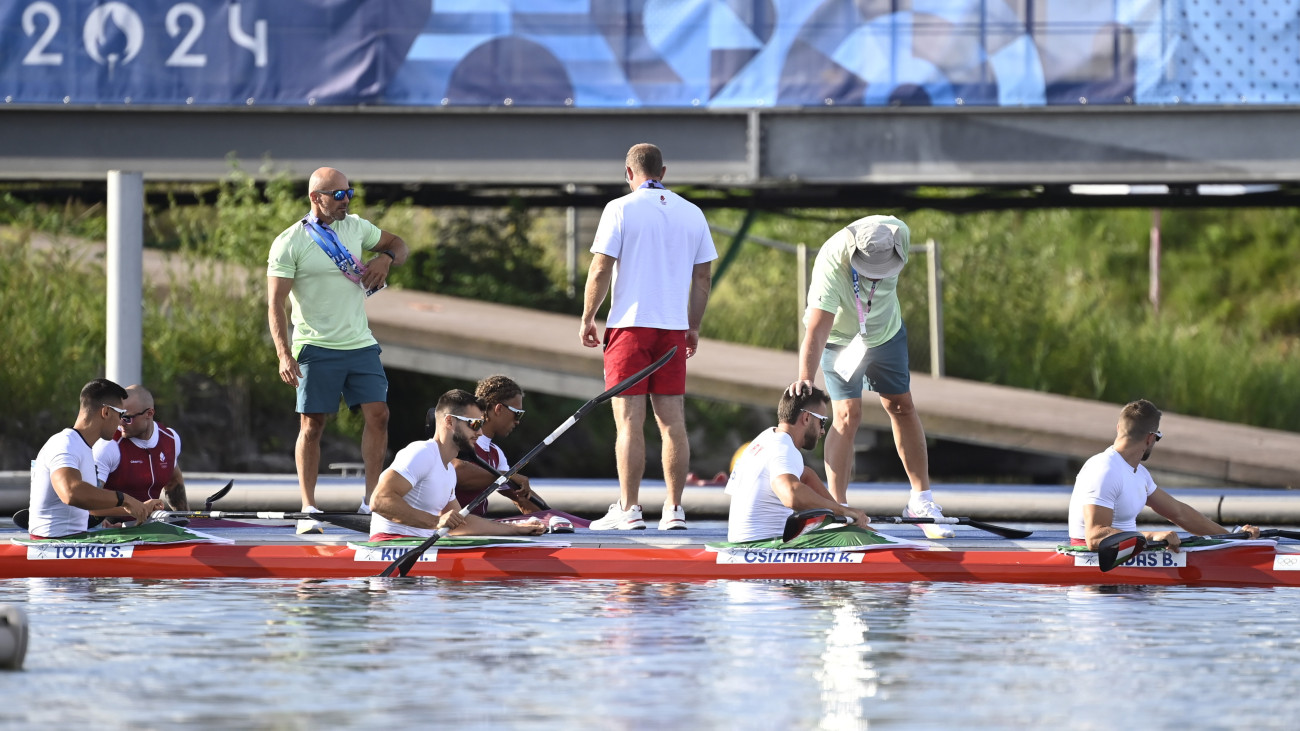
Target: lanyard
328, 240
862, 317
652, 183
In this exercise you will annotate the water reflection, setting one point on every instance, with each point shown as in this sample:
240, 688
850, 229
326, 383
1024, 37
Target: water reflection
613, 654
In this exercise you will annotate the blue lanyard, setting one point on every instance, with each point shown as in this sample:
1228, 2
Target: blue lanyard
652, 184
857, 291
328, 241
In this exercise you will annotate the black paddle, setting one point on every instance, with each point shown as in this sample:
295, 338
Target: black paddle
988, 527
806, 520
1115, 550
23, 517
353, 521
540, 503
406, 561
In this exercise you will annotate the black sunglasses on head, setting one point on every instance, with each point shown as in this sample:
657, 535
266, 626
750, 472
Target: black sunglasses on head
339, 195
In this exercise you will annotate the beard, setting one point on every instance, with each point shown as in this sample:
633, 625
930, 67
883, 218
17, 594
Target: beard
1145, 455
810, 438
461, 441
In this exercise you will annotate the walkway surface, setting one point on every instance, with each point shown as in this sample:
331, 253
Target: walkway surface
449, 336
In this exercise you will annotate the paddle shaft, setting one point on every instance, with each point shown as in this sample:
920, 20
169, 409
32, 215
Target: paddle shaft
406, 561
987, 527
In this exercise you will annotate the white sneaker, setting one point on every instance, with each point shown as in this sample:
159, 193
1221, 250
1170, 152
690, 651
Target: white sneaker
364, 509
928, 509
310, 526
674, 519
619, 519
559, 524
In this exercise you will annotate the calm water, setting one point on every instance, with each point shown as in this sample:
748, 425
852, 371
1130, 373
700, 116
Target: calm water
384, 653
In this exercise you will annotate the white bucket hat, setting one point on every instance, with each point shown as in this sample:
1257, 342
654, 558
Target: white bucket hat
879, 253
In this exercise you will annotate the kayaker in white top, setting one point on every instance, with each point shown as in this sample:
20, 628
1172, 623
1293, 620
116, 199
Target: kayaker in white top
770, 481
1113, 487
416, 495
65, 489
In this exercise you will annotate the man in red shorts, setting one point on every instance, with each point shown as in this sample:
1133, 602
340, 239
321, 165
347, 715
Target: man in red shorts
652, 254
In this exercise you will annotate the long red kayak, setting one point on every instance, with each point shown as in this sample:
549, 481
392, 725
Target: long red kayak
653, 556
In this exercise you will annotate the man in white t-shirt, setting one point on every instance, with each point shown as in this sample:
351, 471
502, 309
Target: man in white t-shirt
65, 489
770, 481
416, 495
1114, 486
653, 250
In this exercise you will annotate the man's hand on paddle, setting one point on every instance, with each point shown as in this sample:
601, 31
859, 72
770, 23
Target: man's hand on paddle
520, 492
1251, 529
1170, 537
451, 518
859, 518
141, 511
289, 370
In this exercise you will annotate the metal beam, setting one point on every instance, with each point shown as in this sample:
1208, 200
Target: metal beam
805, 154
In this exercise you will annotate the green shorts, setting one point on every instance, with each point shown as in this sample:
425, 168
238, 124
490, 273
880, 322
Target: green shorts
883, 369
357, 375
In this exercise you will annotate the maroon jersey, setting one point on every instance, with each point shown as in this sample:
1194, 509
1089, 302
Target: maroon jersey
493, 455
142, 473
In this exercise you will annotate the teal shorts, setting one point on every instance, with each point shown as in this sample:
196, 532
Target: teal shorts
357, 375
883, 370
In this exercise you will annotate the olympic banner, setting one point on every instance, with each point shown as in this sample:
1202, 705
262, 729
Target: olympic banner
649, 53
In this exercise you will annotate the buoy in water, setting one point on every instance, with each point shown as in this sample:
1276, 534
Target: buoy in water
13, 637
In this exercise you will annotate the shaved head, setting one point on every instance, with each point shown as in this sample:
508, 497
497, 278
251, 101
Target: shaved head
140, 396
327, 179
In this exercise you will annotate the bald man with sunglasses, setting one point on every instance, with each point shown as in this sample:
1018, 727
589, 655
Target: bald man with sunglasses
316, 265
143, 457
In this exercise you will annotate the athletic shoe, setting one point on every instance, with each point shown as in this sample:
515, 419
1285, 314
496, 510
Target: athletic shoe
364, 509
559, 524
928, 509
310, 526
673, 519
619, 519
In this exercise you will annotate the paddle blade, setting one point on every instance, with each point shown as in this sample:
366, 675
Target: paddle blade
802, 522
352, 521
207, 504
999, 530
1115, 550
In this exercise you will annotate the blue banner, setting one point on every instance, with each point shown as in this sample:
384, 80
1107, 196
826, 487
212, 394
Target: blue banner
650, 53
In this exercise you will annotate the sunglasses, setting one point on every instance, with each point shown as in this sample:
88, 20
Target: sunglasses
339, 195
121, 413
128, 418
475, 424
1157, 433
825, 420
519, 413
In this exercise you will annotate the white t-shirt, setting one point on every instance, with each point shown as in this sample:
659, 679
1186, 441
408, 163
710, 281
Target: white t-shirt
51, 517
108, 455
1107, 480
756, 511
657, 237
433, 485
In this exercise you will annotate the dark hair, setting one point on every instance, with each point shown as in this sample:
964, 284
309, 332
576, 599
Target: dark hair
645, 159
455, 401
1139, 418
98, 391
789, 407
496, 390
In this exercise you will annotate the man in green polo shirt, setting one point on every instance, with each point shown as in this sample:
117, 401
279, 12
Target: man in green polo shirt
854, 331
316, 265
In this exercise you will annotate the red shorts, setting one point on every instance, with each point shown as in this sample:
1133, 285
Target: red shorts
629, 349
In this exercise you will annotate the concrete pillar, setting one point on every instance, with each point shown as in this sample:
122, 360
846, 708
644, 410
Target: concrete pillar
125, 271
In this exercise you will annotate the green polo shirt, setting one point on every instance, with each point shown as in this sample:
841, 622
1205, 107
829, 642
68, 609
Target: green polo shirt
831, 287
329, 310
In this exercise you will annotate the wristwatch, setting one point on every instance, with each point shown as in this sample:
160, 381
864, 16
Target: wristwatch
121, 498
389, 254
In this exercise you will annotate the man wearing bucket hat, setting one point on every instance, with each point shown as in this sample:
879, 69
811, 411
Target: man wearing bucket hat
854, 332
